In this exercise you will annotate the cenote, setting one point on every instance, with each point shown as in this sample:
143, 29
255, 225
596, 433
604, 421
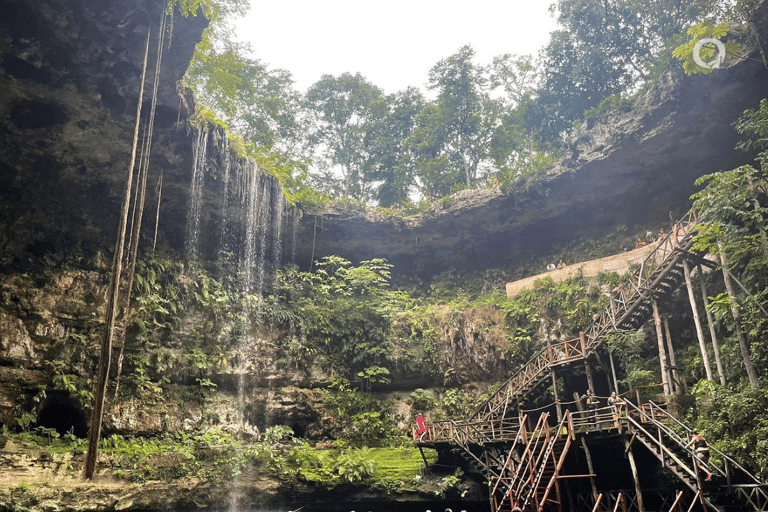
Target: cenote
531, 284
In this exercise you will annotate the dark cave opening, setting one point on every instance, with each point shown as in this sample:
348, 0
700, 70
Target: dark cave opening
299, 430
61, 413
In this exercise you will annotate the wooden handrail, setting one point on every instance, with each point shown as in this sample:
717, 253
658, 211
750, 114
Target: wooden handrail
652, 270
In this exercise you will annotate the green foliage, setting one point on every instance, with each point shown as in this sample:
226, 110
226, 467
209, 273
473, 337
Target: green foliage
734, 422
371, 429
342, 400
392, 163
575, 301
449, 482
707, 52
342, 107
348, 466
459, 127
754, 124
611, 103
158, 294
421, 401
345, 310
455, 403
602, 49
636, 355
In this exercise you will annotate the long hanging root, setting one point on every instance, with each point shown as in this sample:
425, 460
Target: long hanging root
141, 187
114, 294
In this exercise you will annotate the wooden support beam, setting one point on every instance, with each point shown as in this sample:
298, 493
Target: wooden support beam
679, 377
662, 350
426, 464
591, 469
557, 397
736, 312
590, 377
711, 325
676, 504
635, 475
613, 372
697, 321
599, 500
695, 499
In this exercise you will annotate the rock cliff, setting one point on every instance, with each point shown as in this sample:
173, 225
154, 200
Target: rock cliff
69, 72
633, 166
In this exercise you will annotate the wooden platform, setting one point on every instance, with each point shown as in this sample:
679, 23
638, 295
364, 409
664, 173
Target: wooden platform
619, 263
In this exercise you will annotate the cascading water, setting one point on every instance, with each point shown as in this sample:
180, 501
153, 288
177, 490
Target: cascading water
252, 215
199, 161
294, 230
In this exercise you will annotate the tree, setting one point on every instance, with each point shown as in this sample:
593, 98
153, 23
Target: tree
342, 107
607, 47
392, 162
457, 129
516, 75
255, 101
732, 205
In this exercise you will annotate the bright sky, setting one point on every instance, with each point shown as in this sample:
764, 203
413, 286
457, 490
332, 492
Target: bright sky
393, 44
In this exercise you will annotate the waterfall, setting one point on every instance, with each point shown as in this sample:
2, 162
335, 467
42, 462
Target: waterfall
278, 208
295, 217
199, 161
252, 212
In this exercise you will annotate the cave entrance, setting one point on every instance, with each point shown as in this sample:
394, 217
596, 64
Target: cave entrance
60, 412
299, 430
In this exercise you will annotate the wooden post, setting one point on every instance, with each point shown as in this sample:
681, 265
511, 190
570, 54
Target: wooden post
590, 377
613, 372
679, 381
590, 467
635, 475
557, 397
697, 321
583, 343
662, 350
711, 325
743, 342
426, 464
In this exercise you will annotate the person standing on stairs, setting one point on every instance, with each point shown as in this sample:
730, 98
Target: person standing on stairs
701, 448
592, 404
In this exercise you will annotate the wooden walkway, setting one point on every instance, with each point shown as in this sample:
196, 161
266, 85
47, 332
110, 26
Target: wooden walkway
530, 472
523, 464
658, 275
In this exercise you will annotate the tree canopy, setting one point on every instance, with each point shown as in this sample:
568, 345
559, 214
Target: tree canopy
484, 123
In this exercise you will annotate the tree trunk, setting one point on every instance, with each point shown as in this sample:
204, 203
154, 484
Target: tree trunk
697, 320
662, 351
678, 380
743, 342
711, 325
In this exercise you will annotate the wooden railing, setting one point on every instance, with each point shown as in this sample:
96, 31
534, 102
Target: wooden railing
529, 480
637, 290
736, 476
672, 436
474, 432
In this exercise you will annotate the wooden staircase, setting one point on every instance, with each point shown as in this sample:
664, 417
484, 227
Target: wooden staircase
523, 467
530, 474
660, 274
732, 489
